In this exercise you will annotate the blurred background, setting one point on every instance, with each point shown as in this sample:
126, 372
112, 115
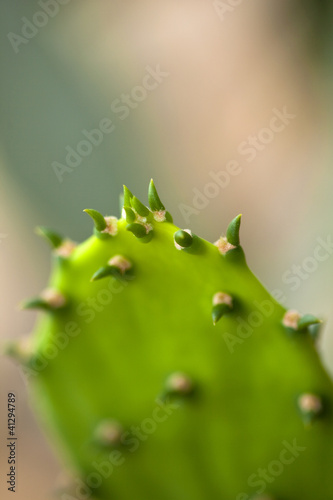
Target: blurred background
189, 87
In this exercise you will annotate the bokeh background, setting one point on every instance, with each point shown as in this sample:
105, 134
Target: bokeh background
226, 74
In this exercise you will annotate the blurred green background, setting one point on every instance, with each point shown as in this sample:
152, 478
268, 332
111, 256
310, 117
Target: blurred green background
226, 74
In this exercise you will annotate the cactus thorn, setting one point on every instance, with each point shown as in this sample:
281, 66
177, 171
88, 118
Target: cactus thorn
53, 298
104, 272
222, 304
116, 267
154, 200
129, 215
54, 239
99, 220
127, 197
308, 320
20, 350
183, 239
49, 300
293, 319
139, 207
168, 217
121, 263
139, 230
233, 231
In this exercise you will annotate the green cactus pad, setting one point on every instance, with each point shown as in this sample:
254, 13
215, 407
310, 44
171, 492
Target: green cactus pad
175, 375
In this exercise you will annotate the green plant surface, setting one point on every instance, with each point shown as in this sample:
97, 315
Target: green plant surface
173, 374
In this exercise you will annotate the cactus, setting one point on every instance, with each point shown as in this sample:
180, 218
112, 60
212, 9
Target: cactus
164, 370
